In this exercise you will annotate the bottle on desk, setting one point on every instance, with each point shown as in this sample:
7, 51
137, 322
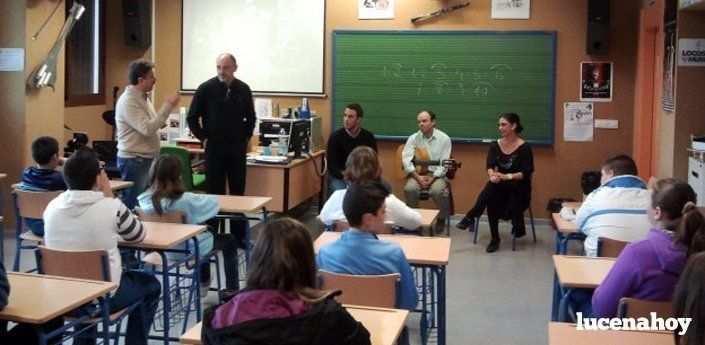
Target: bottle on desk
283, 142
305, 112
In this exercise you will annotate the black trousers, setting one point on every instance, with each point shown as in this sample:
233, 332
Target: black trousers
225, 161
503, 201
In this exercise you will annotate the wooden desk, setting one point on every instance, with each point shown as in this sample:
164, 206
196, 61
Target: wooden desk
418, 250
115, 185
430, 255
289, 185
242, 204
427, 217
566, 230
560, 333
582, 271
383, 324
162, 236
564, 226
37, 299
575, 272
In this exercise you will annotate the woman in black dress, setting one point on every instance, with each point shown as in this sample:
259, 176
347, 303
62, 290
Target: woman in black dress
507, 194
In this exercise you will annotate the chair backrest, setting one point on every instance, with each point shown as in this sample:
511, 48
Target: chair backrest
368, 290
31, 204
80, 264
341, 225
166, 217
183, 156
635, 308
609, 248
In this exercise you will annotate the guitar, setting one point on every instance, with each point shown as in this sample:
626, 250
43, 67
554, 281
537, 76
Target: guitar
422, 161
45, 74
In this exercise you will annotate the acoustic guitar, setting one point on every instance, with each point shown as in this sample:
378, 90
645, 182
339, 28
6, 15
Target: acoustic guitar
422, 161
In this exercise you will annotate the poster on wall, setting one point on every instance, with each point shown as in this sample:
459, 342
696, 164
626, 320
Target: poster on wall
511, 9
596, 81
375, 9
691, 52
578, 121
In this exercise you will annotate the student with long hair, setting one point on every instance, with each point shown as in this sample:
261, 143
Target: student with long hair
363, 164
649, 269
166, 193
689, 301
281, 304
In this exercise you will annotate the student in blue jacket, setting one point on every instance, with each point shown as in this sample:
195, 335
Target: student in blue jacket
359, 251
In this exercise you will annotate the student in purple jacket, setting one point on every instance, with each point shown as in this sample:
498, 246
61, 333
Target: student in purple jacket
649, 269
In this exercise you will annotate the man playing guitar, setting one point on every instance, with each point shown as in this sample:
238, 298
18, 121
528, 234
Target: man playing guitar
438, 146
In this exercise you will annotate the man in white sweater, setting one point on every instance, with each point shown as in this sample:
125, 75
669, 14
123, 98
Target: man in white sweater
137, 123
88, 217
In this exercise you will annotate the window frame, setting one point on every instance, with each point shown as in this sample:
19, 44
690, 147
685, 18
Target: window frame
76, 100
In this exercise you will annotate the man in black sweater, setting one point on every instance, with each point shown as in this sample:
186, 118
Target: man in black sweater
222, 116
342, 142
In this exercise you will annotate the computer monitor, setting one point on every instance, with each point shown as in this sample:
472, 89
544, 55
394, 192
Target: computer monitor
299, 132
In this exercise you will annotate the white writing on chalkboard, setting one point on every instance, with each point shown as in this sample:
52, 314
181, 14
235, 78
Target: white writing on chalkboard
440, 79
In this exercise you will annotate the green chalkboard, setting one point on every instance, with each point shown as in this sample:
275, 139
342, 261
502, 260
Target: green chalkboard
467, 77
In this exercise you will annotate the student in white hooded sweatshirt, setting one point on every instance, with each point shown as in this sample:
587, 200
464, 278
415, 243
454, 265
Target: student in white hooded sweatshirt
88, 217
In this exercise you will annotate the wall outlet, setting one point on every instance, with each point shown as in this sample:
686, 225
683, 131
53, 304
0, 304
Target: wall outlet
610, 124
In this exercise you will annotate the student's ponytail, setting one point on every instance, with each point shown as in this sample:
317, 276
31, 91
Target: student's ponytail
691, 231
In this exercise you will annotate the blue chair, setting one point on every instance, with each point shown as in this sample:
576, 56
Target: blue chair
90, 265
155, 260
29, 204
191, 181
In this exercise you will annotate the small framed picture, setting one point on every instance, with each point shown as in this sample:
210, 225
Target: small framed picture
511, 9
596, 81
375, 9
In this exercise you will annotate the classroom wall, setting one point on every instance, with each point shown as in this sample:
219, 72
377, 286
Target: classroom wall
558, 167
690, 96
12, 104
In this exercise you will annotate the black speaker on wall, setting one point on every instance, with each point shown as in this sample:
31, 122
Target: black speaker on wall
137, 23
598, 27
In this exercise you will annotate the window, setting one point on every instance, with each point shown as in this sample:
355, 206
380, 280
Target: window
85, 56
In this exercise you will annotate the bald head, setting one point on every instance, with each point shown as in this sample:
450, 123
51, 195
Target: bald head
226, 66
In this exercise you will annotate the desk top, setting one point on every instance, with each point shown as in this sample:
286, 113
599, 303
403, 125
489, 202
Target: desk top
418, 250
37, 299
383, 324
292, 164
564, 226
242, 204
119, 184
427, 216
582, 271
165, 235
560, 333
115, 185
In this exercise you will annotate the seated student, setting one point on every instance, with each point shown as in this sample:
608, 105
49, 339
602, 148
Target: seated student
88, 217
43, 177
615, 210
166, 193
363, 164
358, 251
649, 269
689, 301
281, 304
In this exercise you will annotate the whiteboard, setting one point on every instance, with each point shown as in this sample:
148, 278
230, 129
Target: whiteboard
278, 44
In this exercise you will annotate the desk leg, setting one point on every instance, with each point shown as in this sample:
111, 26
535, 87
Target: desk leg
197, 278
441, 276
556, 297
563, 316
165, 296
424, 307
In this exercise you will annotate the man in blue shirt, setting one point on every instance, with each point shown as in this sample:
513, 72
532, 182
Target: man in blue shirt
360, 252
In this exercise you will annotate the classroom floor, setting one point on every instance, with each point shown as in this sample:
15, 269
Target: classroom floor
499, 298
